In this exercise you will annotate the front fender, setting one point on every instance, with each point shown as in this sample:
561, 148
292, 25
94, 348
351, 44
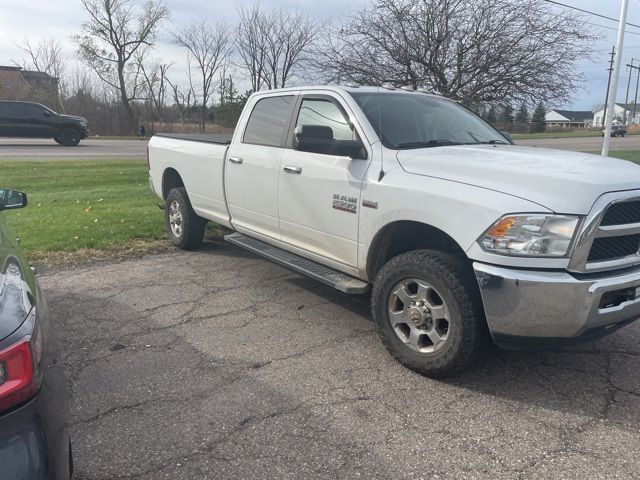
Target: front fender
460, 210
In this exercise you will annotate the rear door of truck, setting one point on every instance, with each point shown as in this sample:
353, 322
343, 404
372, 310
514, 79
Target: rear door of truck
253, 164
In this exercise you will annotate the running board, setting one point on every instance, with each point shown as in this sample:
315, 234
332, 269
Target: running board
322, 274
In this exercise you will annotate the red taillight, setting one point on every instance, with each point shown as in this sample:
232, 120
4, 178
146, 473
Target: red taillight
17, 379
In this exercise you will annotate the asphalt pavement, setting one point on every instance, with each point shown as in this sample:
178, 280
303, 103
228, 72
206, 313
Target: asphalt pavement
93, 148
217, 364
90, 148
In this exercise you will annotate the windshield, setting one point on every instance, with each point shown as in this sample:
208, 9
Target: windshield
417, 120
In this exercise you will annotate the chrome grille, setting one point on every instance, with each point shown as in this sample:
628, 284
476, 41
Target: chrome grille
622, 213
609, 238
610, 248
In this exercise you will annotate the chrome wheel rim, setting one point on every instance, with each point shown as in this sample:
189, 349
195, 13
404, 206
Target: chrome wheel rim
419, 316
175, 219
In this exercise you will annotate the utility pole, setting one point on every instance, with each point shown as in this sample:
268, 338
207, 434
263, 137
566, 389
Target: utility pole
632, 67
616, 76
626, 98
606, 99
635, 101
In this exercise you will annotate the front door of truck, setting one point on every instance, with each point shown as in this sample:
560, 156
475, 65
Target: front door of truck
253, 167
319, 193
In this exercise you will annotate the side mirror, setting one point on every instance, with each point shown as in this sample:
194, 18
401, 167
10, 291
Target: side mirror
11, 199
47, 113
507, 135
319, 139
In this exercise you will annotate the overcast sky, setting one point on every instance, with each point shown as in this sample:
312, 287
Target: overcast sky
37, 19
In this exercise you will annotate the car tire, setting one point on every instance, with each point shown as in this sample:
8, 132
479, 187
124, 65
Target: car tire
69, 137
453, 326
57, 140
184, 227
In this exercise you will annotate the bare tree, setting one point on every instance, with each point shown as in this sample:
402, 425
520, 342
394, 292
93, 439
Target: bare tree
46, 57
274, 45
250, 44
154, 76
114, 33
475, 51
209, 48
183, 99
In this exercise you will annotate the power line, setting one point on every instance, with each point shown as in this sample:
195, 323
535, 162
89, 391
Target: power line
590, 13
610, 28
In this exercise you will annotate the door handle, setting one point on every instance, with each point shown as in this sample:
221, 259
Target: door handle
236, 160
295, 170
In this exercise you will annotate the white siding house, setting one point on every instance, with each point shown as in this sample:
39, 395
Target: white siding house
619, 115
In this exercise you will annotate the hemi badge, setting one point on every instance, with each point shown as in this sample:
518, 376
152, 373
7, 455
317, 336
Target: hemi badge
369, 203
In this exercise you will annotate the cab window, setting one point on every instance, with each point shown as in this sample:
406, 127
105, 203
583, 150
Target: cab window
268, 121
323, 112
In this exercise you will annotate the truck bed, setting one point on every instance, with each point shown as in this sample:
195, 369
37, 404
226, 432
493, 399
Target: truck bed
220, 139
197, 162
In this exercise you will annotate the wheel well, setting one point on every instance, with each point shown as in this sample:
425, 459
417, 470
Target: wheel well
405, 236
170, 179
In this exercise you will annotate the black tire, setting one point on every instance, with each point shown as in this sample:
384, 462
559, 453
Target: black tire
69, 137
189, 235
454, 283
57, 140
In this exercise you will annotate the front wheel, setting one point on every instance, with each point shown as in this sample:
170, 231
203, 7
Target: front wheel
57, 140
184, 227
428, 312
69, 137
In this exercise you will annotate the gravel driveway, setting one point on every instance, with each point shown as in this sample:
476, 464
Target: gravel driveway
217, 364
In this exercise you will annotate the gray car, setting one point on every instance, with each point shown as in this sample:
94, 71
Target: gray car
34, 433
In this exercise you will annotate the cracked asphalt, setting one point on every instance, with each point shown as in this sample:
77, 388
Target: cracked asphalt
218, 364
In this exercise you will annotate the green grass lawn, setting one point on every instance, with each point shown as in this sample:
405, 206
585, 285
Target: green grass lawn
82, 205
631, 155
572, 134
92, 209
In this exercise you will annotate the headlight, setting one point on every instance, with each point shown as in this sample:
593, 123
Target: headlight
531, 235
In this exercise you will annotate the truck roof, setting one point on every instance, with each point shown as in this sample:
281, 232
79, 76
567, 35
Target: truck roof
348, 89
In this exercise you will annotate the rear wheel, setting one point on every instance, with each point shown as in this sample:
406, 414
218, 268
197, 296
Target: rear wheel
69, 137
57, 140
428, 313
184, 227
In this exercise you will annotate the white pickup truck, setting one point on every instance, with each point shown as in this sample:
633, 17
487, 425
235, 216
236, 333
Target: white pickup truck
458, 232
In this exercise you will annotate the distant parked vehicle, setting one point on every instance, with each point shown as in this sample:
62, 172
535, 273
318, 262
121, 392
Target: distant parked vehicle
617, 131
34, 433
32, 120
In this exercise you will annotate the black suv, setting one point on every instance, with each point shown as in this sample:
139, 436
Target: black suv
617, 131
32, 120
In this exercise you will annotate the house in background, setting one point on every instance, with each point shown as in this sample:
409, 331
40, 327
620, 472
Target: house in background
569, 118
621, 113
19, 84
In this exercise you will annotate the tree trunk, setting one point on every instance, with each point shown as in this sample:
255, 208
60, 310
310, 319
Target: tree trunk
203, 120
131, 127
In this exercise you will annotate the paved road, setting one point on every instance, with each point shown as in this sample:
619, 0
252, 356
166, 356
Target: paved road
217, 364
90, 148
585, 143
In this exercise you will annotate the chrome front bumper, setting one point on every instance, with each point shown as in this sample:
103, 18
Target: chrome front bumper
556, 305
